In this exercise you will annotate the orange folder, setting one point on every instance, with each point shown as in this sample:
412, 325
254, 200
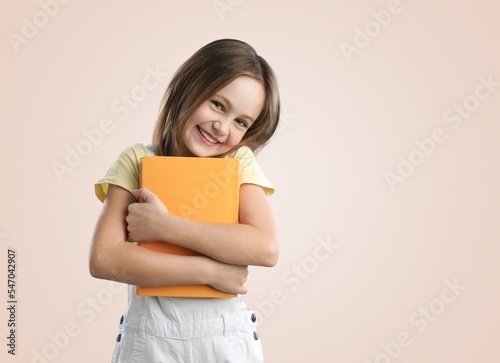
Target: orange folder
200, 189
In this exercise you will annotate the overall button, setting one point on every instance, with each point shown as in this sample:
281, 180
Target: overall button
121, 320
119, 337
253, 317
255, 335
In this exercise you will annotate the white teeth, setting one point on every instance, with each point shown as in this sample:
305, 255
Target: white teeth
206, 136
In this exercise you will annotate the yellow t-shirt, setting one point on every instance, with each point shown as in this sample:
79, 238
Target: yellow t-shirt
125, 170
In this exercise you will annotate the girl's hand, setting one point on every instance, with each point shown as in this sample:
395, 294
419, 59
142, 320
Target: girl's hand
144, 220
229, 278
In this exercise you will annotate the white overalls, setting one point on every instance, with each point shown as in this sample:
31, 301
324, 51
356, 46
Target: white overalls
167, 330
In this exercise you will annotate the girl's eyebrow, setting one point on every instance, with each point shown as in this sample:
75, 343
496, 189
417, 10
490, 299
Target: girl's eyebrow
231, 105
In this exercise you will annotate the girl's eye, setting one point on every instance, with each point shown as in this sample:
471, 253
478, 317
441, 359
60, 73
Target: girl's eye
241, 122
218, 105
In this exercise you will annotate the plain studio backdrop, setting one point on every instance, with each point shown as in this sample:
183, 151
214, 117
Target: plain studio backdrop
385, 166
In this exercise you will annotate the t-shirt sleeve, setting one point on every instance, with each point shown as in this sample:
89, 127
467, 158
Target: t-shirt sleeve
124, 172
250, 170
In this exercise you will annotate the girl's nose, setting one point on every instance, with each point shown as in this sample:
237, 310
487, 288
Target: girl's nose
221, 127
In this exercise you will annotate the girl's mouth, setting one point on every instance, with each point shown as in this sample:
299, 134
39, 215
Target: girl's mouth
206, 136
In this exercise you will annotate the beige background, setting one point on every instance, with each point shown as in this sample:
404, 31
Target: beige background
346, 124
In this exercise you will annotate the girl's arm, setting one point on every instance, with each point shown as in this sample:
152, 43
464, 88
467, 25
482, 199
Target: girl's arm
113, 258
253, 241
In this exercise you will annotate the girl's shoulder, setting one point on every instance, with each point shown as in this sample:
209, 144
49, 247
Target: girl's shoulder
250, 170
124, 171
135, 151
138, 150
245, 156
142, 149
241, 153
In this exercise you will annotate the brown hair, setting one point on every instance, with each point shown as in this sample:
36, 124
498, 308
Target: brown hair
207, 71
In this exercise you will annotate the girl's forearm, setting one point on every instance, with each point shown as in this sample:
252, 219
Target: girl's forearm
113, 258
131, 264
253, 241
238, 244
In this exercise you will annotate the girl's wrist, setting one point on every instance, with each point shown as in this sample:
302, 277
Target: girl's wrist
164, 228
206, 270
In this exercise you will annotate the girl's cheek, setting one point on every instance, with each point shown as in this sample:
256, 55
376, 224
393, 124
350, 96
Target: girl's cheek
203, 113
236, 138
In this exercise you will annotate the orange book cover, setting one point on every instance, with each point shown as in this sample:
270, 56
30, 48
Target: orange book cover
200, 189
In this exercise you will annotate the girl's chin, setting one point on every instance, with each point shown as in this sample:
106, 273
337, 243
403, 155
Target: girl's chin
201, 150
204, 152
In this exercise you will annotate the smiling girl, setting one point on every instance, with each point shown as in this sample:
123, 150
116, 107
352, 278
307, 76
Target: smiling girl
222, 102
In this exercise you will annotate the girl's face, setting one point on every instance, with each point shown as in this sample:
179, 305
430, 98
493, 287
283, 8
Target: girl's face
219, 123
